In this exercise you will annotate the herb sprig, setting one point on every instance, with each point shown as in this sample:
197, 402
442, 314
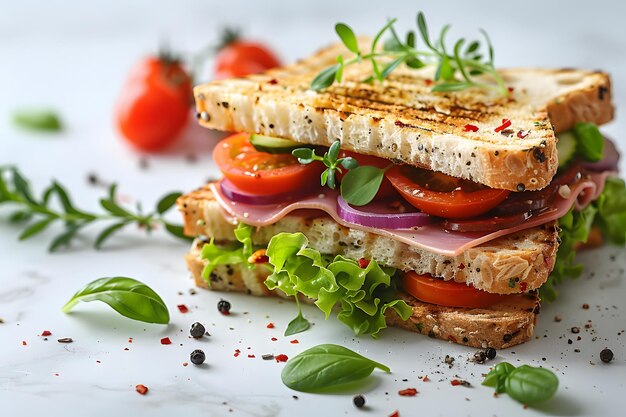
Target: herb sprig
456, 70
40, 213
330, 159
526, 384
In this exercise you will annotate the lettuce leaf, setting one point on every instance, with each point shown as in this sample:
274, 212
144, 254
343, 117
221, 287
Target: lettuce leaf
364, 294
608, 212
228, 254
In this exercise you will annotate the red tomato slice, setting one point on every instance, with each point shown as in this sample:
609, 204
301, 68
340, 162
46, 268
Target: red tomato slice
386, 190
442, 195
448, 293
262, 173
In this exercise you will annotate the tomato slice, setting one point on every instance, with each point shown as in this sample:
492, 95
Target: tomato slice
262, 173
442, 195
448, 293
386, 190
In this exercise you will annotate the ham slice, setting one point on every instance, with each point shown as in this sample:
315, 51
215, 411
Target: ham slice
432, 237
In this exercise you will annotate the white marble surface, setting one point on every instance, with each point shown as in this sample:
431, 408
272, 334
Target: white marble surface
73, 56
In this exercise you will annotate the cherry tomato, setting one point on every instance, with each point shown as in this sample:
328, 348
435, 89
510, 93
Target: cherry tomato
386, 190
448, 293
240, 58
442, 195
263, 173
153, 107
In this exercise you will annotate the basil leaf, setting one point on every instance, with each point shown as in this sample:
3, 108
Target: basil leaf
127, 296
167, 201
327, 366
37, 120
347, 36
530, 385
360, 185
590, 142
497, 377
325, 78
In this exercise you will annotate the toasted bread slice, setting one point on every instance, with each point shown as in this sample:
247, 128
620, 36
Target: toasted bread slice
499, 326
523, 259
402, 120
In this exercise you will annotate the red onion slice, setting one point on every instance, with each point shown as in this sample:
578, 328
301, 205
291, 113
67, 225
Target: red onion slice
233, 193
486, 224
384, 220
609, 162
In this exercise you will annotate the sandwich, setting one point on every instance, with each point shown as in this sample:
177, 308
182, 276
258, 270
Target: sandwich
421, 196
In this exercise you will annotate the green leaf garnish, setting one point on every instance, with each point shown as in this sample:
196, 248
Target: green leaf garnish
38, 120
589, 140
360, 185
455, 72
127, 296
330, 159
15, 190
299, 324
327, 366
526, 384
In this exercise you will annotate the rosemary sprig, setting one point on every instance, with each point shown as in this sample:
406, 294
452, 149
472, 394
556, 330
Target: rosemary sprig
40, 213
456, 71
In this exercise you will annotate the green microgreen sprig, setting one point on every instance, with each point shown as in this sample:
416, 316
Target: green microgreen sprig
40, 213
330, 159
456, 71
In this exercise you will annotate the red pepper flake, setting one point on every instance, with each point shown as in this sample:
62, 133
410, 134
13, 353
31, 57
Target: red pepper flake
281, 358
505, 123
237, 353
455, 382
408, 392
183, 308
46, 333
363, 263
461, 266
523, 133
273, 81
426, 379
185, 363
251, 356
399, 123
142, 389
394, 414
523, 286
470, 128
166, 341
274, 339
130, 340
428, 82
270, 325
511, 89
294, 341
24, 343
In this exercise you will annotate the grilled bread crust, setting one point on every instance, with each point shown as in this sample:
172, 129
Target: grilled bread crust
499, 326
402, 120
504, 265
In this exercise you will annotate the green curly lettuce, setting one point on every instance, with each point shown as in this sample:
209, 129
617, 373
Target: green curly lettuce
608, 212
233, 254
364, 294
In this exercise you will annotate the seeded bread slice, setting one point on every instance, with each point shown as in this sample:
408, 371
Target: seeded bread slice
517, 262
402, 120
499, 326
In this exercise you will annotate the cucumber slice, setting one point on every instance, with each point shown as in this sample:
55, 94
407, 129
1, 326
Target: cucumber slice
566, 147
273, 145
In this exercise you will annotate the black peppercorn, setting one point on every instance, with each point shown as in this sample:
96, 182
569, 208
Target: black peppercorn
197, 357
197, 330
491, 353
223, 307
521, 187
359, 401
507, 338
606, 355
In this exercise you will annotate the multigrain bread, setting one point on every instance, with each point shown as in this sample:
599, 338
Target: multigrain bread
524, 259
500, 326
402, 120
